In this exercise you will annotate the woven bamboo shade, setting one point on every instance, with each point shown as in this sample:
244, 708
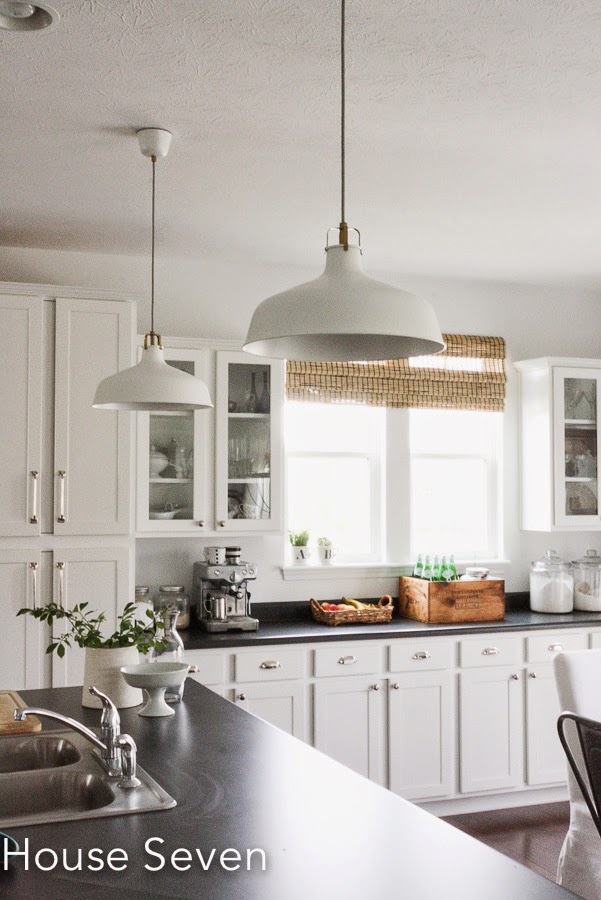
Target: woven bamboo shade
469, 374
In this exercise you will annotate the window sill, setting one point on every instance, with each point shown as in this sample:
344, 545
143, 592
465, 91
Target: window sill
332, 571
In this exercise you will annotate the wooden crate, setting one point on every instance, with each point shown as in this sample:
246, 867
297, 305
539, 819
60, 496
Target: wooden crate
452, 602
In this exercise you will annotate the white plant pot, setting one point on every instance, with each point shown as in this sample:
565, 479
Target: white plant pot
300, 555
102, 670
325, 554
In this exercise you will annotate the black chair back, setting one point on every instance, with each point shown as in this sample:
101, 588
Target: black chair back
589, 735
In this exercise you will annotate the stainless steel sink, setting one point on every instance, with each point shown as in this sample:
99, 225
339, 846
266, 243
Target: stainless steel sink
21, 754
66, 790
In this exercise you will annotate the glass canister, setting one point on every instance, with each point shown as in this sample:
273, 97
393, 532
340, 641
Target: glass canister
587, 582
551, 584
172, 651
173, 596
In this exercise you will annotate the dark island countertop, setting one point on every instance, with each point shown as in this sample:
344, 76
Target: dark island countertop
241, 783
291, 623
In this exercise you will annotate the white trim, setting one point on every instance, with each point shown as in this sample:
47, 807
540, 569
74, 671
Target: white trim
58, 291
331, 571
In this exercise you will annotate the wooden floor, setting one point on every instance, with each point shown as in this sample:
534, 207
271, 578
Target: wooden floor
532, 835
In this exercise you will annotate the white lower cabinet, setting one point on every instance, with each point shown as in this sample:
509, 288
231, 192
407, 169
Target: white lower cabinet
350, 723
545, 756
282, 704
21, 638
491, 728
420, 716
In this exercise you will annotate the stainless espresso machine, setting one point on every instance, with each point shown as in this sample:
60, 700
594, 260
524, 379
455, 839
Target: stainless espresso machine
222, 597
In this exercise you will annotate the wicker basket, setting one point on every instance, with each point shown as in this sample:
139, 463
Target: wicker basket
380, 612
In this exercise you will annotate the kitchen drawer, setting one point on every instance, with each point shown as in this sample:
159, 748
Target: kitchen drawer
270, 664
543, 647
348, 659
211, 668
421, 656
491, 650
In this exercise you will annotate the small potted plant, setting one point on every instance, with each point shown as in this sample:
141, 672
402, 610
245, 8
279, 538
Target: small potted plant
299, 541
104, 656
324, 549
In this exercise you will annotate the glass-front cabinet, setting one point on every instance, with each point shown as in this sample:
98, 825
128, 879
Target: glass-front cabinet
172, 478
249, 394
577, 394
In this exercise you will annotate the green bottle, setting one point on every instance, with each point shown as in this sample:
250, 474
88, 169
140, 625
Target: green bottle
436, 569
446, 573
427, 570
453, 568
418, 571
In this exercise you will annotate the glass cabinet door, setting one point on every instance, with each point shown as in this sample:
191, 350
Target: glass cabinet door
171, 492
577, 397
249, 398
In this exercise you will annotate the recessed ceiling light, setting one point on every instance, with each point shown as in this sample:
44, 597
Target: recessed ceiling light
18, 16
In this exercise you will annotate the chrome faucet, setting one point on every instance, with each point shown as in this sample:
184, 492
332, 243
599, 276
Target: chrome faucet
117, 752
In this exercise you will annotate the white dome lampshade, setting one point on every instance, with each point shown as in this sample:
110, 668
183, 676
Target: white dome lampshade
152, 385
344, 316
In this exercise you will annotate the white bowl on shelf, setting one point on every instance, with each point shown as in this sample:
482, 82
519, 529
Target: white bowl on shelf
154, 678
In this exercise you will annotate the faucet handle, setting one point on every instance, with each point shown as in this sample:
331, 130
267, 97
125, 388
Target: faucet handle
110, 714
128, 748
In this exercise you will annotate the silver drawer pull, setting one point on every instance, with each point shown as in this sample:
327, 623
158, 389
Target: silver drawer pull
34, 584
515, 677
61, 584
270, 664
375, 687
421, 654
242, 697
490, 651
555, 648
396, 686
34, 497
347, 660
61, 496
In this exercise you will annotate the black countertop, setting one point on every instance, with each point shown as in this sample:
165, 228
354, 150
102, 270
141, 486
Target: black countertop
241, 783
291, 623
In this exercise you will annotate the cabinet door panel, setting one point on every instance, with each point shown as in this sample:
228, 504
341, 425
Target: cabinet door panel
20, 413
350, 724
20, 638
283, 705
92, 446
491, 734
98, 576
545, 757
421, 735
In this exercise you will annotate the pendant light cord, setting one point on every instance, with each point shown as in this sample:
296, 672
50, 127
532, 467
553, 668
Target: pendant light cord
154, 160
343, 236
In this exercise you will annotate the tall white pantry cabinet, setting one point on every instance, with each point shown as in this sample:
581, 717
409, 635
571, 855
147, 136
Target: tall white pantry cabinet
65, 469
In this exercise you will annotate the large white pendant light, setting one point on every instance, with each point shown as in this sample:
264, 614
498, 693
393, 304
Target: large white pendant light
344, 316
153, 384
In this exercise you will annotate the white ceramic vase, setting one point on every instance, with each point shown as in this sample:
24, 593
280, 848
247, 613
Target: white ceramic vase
102, 670
300, 555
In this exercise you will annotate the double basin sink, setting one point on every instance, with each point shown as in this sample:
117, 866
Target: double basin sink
56, 777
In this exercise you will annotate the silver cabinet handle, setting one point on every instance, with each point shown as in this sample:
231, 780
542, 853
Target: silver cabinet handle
490, 651
34, 497
421, 654
376, 687
396, 686
34, 584
515, 677
555, 648
241, 696
201, 524
61, 496
61, 584
347, 660
532, 675
270, 664
222, 523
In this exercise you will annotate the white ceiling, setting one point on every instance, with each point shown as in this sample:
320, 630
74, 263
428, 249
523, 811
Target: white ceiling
474, 143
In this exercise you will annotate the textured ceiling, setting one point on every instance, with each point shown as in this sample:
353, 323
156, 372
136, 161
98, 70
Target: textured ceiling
474, 131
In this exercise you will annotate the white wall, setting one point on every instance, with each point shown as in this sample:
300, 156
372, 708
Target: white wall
215, 299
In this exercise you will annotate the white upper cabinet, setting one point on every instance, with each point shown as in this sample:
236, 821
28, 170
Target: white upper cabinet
248, 421
560, 414
21, 638
20, 414
91, 446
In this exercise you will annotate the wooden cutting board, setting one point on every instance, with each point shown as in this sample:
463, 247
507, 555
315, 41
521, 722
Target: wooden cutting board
9, 701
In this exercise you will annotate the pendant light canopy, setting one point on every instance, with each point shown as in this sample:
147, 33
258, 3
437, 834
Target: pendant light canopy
344, 316
153, 384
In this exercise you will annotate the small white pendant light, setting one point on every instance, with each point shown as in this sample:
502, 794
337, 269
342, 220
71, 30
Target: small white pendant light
344, 316
153, 384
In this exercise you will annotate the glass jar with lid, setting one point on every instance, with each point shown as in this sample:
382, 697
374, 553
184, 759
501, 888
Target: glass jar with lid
587, 582
551, 584
173, 596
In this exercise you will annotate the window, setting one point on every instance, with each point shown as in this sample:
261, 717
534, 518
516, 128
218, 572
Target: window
335, 456
455, 483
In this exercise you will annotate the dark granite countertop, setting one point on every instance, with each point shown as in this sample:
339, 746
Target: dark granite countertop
241, 783
291, 623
